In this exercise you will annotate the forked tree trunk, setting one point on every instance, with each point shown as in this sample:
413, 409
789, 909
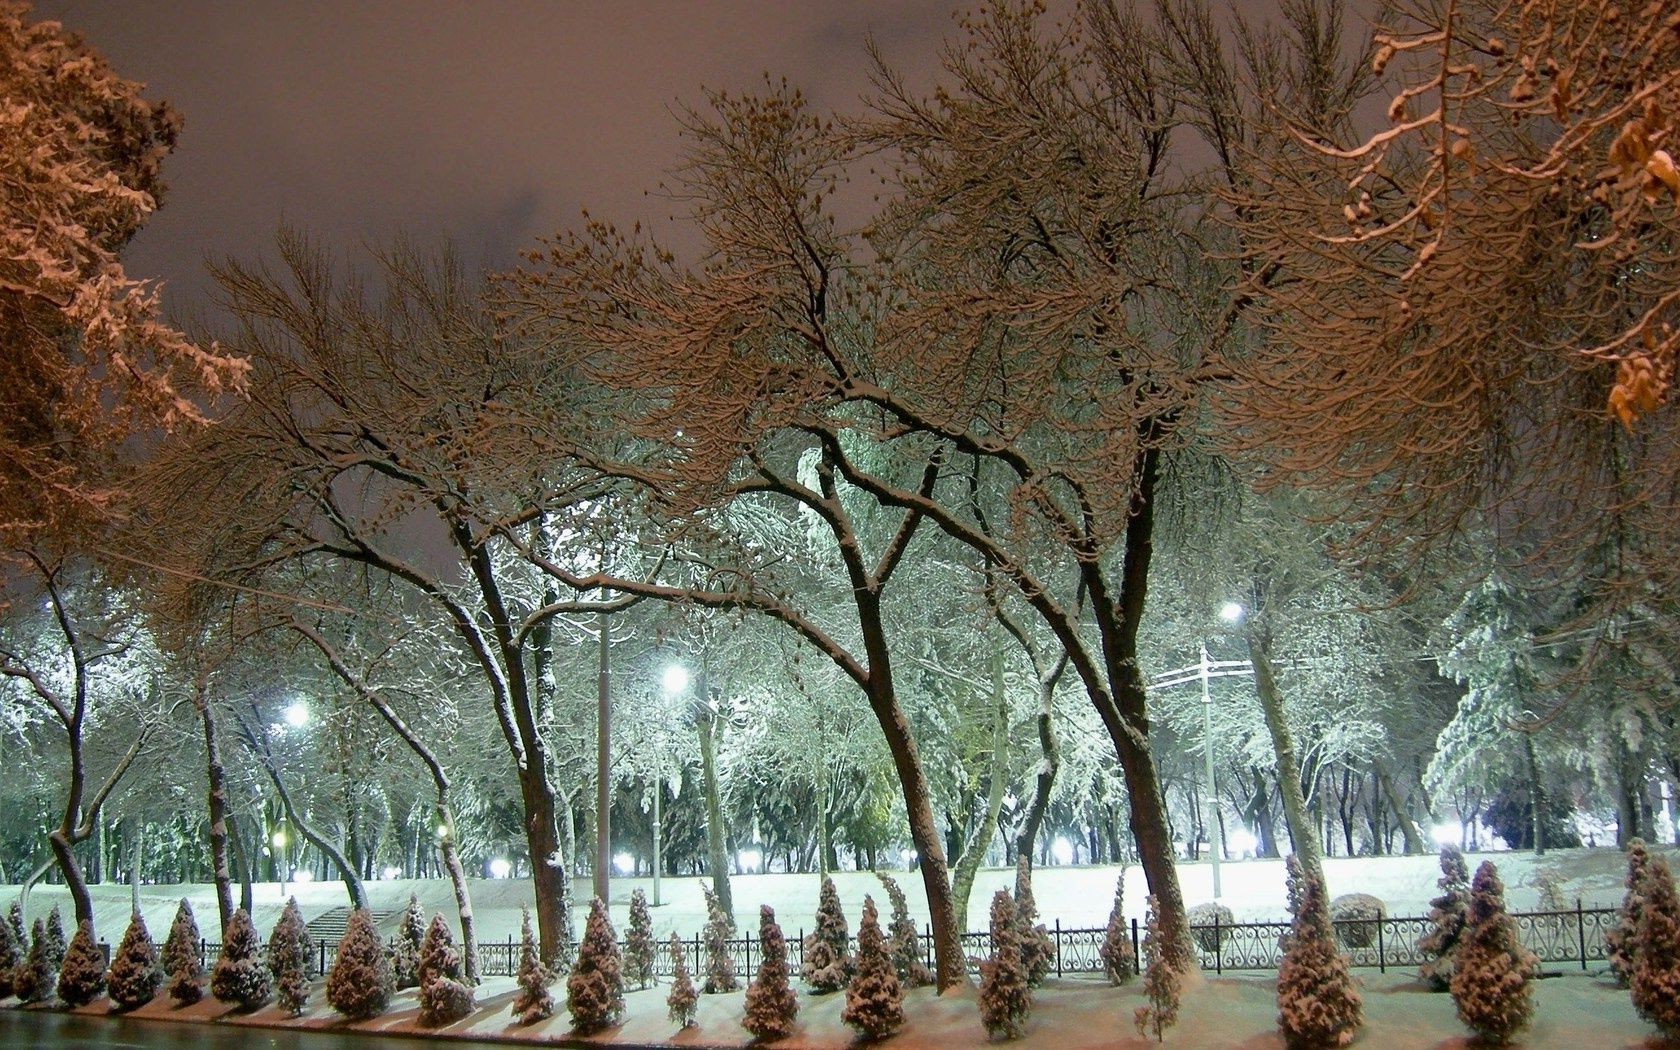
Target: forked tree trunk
1303, 829
974, 849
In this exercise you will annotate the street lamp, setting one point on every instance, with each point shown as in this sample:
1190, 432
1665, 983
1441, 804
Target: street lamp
1231, 613
296, 714
278, 839
675, 680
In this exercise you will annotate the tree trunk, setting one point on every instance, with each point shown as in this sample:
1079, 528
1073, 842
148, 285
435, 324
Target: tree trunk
1536, 794
1303, 830
243, 859
1050, 761
974, 850
1408, 827
717, 856
603, 760
216, 777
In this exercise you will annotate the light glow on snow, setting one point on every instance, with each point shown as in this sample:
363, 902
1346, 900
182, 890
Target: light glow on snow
1445, 834
500, 868
748, 860
624, 863
675, 679
1062, 850
296, 714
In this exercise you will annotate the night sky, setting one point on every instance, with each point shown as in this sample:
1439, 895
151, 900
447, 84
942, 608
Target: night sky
489, 123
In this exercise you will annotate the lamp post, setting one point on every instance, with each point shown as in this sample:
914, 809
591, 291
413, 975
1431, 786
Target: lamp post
278, 840
675, 681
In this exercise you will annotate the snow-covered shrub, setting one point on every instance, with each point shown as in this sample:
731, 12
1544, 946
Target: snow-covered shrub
135, 976
874, 999
906, 943
595, 989
405, 952
638, 942
771, 1006
1118, 956
1355, 916
361, 983
81, 976
1162, 983
1655, 982
1318, 1005
289, 956
240, 976
828, 965
36, 979
1446, 920
1621, 943
1038, 951
1005, 995
534, 1002
1203, 919
11, 956
182, 964
1492, 981
444, 995
720, 965
681, 1002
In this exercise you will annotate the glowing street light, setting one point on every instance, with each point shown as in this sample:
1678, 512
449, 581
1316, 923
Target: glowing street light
500, 868
749, 860
278, 840
675, 679
296, 714
1062, 850
1231, 612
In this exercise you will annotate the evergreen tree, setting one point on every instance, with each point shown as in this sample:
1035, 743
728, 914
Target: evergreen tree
720, 927
1038, 951
135, 975
1318, 1005
11, 957
1446, 917
444, 995
595, 989
906, 944
1621, 943
405, 953
874, 999
1005, 995
55, 937
37, 979
683, 999
535, 1002
182, 964
81, 976
361, 983
771, 1004
1162, 983
1119, 958
20, 931
1492, 981
827, 965
1655, 981
638, 942
289, 957
240, 976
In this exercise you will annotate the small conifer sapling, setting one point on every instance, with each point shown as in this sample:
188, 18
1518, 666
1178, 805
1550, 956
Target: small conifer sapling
1655, 982
827, 965
906, 943
1447, 914
681, 1003
361, 982
720, 964
875, 998
771, 1006
405, 952
81, 976
535, 1001
1162, 983
11, 957
1492, 981
135, 975
1118, 956
1318, 1004
445, 996
595, 988
183, 966
638, 942
289, 956
1005, 995
240, 976
35, 980
1621, 943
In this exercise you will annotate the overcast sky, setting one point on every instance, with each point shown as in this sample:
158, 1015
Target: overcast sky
491, 122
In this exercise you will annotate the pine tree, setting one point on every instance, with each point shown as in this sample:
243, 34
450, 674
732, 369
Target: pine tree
1655, 981
444, 996
135, 975
874, 999
37, 979
720, 965
1005, 996
681, 1002
1119, 958
1492, 981
1446, 916
1621, 943
20, 931
182, 964
638, 942
827, 965
595, 989
906, 944
771, 1005
1318, 1005
289, 952
405, 953
55, 938
535, 1002
11, 957
1161, 981
1038, 951
240, 976
361, 983
81, 976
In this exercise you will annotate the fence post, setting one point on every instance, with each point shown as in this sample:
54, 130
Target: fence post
1218, 946
1137, 953
322, 968
746, 974
927, 947
1382, 949
1058, 946
1581, 931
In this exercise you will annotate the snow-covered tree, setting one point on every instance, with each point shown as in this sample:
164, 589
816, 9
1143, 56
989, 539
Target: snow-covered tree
135, 975
35, 980
595, 987
290, 958
1447, 915
182, 963
81, 976
535, 1001
680, 1004
1005, 995
720, 965
1655, 982
1162, 983
638, 942
1493, 977
906, 942
361, 983
874, 999
828, 964
1038, 951
1621, 944
405, 953
444, 995
771, 1005
1318, 1003
1118, 956
240, 977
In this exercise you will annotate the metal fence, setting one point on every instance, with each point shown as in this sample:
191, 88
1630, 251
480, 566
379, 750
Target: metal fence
1573, 936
